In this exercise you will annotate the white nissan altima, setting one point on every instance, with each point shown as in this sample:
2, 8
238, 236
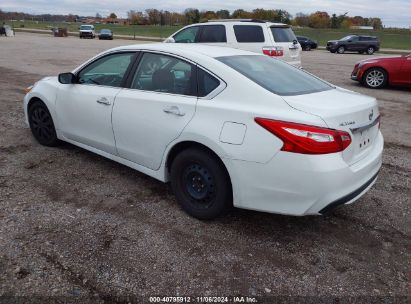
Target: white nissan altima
226, 127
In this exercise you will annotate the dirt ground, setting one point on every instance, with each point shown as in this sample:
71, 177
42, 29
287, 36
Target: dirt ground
76, 225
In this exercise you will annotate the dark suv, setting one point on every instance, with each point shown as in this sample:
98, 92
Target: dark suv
354, 43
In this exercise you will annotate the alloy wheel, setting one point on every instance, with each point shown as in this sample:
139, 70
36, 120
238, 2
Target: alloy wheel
375, 78
42, 124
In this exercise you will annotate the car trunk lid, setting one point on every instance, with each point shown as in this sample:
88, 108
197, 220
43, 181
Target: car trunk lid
344, 110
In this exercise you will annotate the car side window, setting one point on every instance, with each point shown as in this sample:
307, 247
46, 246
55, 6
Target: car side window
163, 73
206, 83
187, 35
249, 33
213, 33
106, 71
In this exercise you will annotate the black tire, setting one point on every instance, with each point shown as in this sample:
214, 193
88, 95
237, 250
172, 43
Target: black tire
42, 125
307, 47
332, 52
361, 52
370, 50
341, 50
375, 78
201, 184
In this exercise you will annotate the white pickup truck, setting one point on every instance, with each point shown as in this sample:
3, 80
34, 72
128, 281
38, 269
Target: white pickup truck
87, 31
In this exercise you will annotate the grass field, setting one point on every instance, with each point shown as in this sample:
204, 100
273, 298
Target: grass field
396, 39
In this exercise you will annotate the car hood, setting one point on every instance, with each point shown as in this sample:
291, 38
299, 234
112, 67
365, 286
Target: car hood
333, 41
375, 60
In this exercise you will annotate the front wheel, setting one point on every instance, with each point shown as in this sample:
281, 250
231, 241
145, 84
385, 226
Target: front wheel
375, 78
201, 184
41, 124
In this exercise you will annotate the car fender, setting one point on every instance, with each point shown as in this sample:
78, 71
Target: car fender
210, 144
45, 90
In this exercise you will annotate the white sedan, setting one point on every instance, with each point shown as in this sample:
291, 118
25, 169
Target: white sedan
226, 127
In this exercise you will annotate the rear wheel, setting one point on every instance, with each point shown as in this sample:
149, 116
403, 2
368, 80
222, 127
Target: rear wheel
341, 50
370, 50
375, 78
41, 124
201, 184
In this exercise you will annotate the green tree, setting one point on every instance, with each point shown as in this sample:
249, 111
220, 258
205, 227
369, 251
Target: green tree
241, 14
192, 15
113, 16
223, 14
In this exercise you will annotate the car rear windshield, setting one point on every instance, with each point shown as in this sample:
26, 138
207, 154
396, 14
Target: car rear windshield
283, 34
275, 75
86, 27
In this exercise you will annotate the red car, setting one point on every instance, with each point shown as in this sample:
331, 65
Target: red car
375, 73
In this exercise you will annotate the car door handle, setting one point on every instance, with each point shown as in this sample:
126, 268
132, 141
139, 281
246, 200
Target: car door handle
103, 101
173, 110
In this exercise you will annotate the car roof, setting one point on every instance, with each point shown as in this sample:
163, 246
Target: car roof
239, 22
187, 49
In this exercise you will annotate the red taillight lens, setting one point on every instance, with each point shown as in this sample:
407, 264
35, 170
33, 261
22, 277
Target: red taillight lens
299, 138
273, 51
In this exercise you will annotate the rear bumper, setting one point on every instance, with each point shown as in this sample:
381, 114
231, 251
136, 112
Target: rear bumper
350, 197
298, 184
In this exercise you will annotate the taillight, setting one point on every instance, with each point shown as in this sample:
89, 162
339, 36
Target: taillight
305, 139
273, 51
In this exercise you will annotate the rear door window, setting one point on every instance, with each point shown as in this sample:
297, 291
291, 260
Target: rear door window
249, 33
283, 34
213, 33
165, 74
206, 83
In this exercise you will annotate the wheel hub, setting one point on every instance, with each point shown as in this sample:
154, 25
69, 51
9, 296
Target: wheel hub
375, 78
199, 183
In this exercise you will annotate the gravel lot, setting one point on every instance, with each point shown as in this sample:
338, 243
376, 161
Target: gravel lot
74, 224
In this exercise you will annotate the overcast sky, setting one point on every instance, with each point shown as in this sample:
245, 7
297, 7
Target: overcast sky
392, 12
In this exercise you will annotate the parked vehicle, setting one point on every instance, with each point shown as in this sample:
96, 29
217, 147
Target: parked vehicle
272, 39
105, 34
354, 43
224, 126
306, 43
87, 31
376, 73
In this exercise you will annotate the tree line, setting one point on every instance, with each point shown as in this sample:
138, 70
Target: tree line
319, 19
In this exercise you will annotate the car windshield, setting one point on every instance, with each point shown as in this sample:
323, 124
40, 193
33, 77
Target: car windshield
86, 27
275, 75
105, 31
347, 38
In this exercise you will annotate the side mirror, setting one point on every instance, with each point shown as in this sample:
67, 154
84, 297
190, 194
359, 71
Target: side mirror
169, 40
67, 78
